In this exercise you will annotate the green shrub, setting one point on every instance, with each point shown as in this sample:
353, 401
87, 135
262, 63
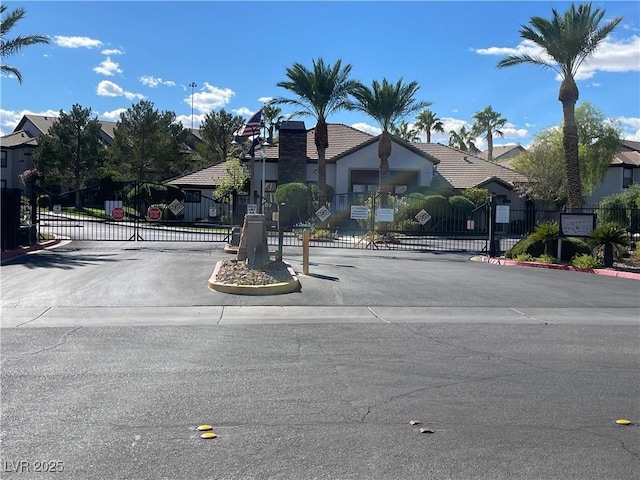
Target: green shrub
585, 262
462, 204
547, 233
295, 197
570, 248
524, 257
611, 238
545, 258
477, 196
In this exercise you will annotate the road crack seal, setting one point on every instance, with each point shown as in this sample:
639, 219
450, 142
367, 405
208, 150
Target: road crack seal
64, 340
35, 318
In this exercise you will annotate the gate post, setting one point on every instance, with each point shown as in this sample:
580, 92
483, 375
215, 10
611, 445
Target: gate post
492, 227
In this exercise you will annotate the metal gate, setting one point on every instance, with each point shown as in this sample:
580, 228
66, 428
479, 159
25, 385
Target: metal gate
135, 211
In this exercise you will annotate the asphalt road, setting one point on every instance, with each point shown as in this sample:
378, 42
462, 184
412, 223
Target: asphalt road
112, 354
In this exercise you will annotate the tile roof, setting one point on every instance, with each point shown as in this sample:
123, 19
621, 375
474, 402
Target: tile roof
205, 177
463, 170
43, 123
18, 139
628, 154
500, 150
341, 139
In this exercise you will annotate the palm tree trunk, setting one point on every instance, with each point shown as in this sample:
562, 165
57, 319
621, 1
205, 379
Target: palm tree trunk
384, 152
428, 135
321, 138
489, 146
569, 96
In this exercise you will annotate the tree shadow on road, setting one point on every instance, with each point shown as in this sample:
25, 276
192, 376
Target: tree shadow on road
59, 259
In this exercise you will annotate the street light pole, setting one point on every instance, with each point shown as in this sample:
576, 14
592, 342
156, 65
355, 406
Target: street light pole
192, 85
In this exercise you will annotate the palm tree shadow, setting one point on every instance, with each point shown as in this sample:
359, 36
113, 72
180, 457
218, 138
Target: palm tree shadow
50, 259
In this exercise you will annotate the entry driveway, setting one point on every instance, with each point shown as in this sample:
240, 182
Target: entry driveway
112, 354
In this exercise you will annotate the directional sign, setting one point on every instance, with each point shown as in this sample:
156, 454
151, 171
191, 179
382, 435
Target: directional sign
117, 213
176, 207
154, 214
422, 217
323, 213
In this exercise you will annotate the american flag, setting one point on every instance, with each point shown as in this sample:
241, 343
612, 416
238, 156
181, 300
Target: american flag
252, 127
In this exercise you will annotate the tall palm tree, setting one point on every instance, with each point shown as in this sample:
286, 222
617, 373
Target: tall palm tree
428, 122
405, 132
387, 103
10, 46
568, 40
463, 140
489, 122
322, 90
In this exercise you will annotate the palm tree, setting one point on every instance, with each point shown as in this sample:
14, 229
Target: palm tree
568, 40
489, 122
271, 115
428, 122
321, 91
405, 132
387, 103
463, 140
13, 45
612, 238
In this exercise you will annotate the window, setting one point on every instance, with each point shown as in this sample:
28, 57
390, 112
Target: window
4, 159
192, 196
3, 184
627, 177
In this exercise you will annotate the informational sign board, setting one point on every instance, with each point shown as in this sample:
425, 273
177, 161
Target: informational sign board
323, 213
359, 212
213, 212
176, 207
252, 208
422, 217
117, 213
577, 224
154, 214
502, 213
384, 214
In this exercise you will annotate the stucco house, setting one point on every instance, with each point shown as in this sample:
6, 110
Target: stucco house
352, 166
623, 172
17, 147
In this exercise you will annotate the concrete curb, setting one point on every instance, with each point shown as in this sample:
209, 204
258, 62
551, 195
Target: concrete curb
272, 289
553, 266
9, 254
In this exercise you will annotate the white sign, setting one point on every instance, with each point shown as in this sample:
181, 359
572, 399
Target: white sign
323, 213
577, 225
502, 213
213, 211
252, 209
176, 207
422, 217
359, 212
384, 214
57, 208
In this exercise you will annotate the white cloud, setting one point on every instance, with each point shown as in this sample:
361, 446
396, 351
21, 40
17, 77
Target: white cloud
366, 128
186, 120
107, 88
265, 99
209, 98
243, 112
630, 128
113, 115
111, 51
76, 42
611, 56
151, 81
9, 119
108, 67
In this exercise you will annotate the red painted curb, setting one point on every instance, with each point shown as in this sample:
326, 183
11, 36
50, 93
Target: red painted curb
31, 248
553, 266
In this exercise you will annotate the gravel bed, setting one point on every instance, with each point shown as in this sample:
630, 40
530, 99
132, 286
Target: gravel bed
232, 272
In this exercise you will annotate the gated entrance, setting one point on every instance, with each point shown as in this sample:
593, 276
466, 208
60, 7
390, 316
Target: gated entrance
137, 211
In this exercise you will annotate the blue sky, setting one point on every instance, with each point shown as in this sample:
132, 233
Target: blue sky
109, 55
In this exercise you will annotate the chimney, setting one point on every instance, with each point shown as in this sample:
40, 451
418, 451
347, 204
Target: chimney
292, 146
